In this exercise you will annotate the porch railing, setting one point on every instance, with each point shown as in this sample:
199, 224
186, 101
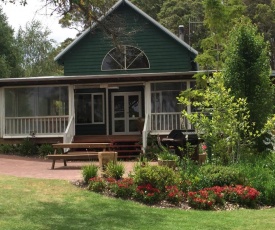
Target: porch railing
18, 126
161, 122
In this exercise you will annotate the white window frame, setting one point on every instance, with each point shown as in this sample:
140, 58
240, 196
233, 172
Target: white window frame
93, 109
93, 122
125, 67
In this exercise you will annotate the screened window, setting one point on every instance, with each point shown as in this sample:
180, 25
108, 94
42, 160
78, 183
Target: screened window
125, 58
163, 98
89, 108
36, 101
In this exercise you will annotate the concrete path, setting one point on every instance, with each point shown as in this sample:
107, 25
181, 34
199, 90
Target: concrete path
39, 168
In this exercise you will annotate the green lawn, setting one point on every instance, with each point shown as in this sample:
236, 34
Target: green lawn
53, 204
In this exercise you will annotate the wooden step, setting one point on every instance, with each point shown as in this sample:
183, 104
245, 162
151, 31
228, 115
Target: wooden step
128, 150
127, 156
125, 146
81, 152
106, 138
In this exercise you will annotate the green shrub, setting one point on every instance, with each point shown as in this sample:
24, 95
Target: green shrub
165, 154
45, 149
28, 148
114, 170
260, 174
217, 175
6, 148
174, 195
157, 176
193, 182
89, 171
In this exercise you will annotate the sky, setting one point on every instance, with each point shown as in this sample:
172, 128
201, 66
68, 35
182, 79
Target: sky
18, 15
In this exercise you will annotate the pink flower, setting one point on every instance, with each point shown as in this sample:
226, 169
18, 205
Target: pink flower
204, 147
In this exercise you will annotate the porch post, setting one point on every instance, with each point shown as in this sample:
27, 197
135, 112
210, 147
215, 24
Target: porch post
147, 96
107, 110
147, 111
2, 112
71, 105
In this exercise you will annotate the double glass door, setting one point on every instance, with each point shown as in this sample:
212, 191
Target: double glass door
126, 109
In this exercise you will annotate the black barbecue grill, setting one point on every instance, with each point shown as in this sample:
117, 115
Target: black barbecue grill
178, 139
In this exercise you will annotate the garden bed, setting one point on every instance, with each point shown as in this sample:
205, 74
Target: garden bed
183, 205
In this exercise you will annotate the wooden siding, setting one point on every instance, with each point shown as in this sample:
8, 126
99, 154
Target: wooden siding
164, 53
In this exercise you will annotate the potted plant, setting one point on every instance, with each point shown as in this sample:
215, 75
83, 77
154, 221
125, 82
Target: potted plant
166, 158
202, 153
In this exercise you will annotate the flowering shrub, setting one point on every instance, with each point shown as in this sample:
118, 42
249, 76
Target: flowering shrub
208, 197
96, 184
147, 194
174, 195
217, 193
201, 199
244, 195
154, 191
123, 188
110, 181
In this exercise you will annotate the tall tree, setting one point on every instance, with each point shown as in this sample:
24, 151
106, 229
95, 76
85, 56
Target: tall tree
188, 13
262, 13
9, 54
151, 7
220, 16
247, 71
82, 14
37, 50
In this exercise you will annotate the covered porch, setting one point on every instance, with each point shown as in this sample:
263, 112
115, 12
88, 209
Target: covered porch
49, 108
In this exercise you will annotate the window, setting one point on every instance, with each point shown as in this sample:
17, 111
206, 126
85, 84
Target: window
165, 108
125, 58
36, 101
164, 95
89, 108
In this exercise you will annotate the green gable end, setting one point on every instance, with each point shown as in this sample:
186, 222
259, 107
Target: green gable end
165, 54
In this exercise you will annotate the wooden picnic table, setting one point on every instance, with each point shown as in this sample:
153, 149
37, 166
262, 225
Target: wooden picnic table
62, 146
72, 154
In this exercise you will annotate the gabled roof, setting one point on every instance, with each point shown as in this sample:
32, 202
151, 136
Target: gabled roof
120, 2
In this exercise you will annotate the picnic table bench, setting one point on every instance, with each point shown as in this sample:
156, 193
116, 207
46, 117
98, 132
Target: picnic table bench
74, 154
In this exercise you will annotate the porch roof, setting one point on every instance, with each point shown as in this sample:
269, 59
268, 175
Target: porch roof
86, 79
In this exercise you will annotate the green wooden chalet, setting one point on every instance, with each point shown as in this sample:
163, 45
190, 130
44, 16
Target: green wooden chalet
124, 83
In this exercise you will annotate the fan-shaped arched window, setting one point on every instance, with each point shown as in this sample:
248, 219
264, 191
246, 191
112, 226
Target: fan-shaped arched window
124, 58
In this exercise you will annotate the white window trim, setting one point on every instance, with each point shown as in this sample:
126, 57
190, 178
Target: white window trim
125, 67
92, 108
